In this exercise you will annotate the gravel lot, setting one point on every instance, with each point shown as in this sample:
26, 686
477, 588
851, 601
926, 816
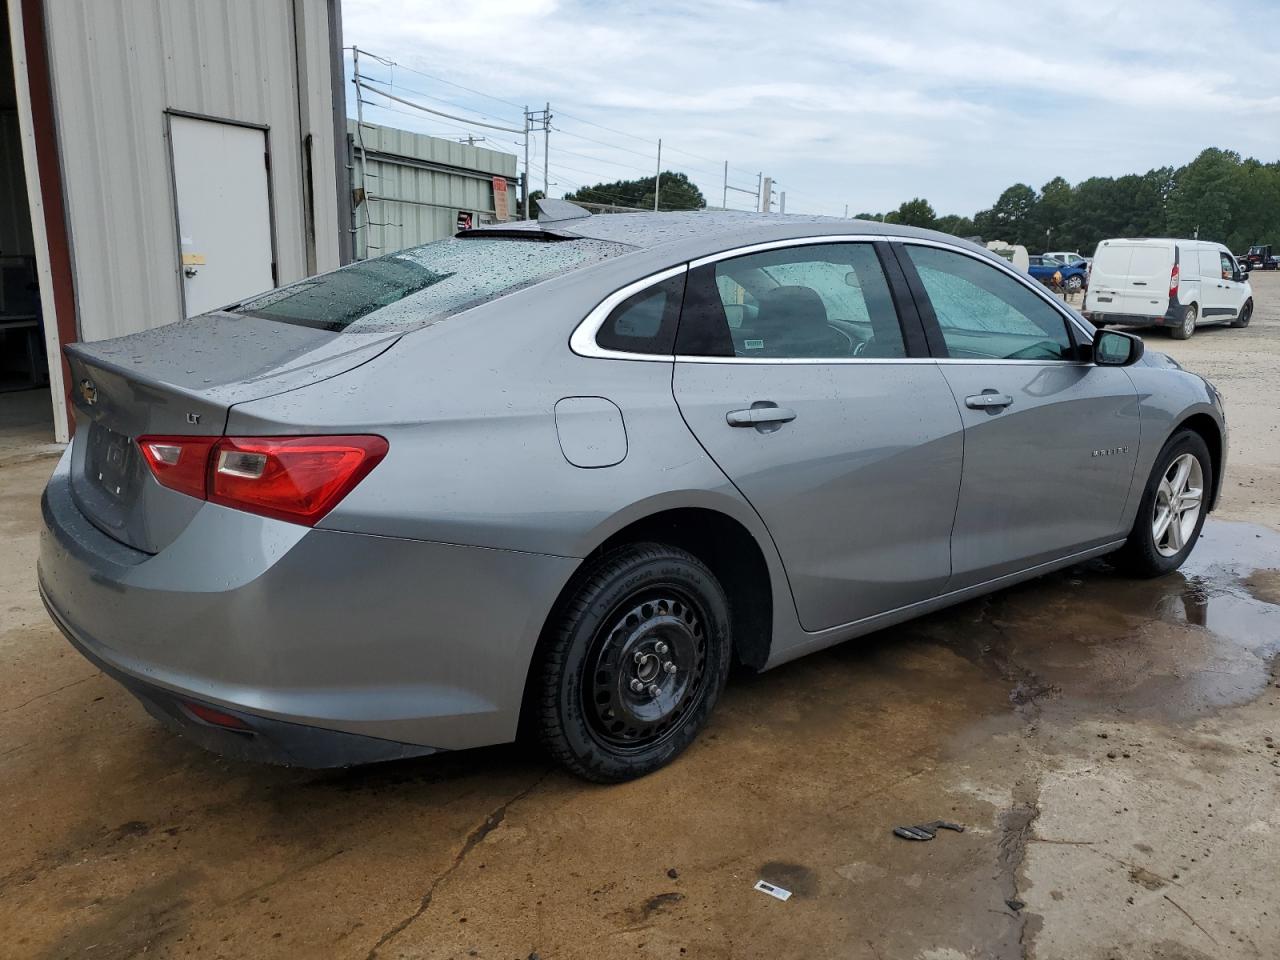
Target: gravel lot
1109, 745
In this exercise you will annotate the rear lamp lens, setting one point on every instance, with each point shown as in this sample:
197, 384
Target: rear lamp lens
298, 479
179, 463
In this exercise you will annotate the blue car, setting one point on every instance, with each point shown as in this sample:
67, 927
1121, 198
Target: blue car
1073, 277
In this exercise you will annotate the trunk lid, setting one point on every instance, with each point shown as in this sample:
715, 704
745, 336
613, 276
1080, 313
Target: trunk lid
182, 379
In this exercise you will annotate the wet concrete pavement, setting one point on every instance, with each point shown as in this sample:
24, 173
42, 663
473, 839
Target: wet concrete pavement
1110, 745
1103, 740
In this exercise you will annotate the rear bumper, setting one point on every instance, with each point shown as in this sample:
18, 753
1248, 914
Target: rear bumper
260, 739
315, 638
1173, 317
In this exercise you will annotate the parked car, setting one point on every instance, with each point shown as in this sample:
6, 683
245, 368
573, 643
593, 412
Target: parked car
1073, 277
560, 474
1169, 283
1068, 258
1259, 257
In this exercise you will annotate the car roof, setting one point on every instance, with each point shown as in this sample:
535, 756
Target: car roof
695, 232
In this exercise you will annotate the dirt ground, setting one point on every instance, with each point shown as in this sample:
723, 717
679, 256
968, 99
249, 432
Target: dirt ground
1110, 747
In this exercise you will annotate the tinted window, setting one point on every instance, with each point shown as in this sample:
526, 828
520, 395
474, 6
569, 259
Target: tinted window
1228, 264
645, 322
986, 314
826, 301
424, 284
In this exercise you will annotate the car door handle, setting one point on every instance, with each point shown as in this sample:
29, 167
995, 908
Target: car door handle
757, 416
1139, 283
988, 401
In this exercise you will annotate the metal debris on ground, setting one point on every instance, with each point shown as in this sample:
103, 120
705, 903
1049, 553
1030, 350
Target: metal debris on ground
778, 893
926, 831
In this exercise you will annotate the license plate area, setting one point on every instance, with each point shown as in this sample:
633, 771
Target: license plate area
112, 461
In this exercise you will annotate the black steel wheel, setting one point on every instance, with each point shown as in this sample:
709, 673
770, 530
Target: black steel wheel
1246, 314
633, 662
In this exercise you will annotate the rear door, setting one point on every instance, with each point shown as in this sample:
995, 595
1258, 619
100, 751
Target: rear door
796, 375
1049, 442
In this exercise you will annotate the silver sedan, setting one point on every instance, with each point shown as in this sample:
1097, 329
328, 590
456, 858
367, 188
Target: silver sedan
556, 476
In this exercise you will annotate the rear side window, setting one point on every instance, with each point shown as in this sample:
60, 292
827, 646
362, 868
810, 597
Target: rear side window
1210, 265
823, 301
418, 286
646, 321
984, 313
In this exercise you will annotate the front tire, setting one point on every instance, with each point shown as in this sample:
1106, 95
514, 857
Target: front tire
1246, 314
635, 660
1188, 326
1074, 284
1172, 510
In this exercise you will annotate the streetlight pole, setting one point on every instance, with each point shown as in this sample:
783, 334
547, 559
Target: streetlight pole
657, 180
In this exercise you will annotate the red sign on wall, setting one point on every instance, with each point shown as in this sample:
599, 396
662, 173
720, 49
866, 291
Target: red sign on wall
501, 210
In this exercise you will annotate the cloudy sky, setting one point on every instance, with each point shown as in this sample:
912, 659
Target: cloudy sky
865, 104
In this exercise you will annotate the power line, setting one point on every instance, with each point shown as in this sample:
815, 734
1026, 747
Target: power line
478, 93
452, 103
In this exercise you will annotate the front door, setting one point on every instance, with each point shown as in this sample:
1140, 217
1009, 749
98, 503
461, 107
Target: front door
793, 373
224, 212
1050, 443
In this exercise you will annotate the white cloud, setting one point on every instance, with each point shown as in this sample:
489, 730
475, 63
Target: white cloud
862, 103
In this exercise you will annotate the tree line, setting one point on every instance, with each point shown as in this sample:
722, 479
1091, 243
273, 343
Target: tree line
1225, 198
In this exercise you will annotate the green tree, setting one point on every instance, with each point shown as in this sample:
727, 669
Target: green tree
1207, 196
676, 192
955, 225
1013, 215
1053, 216
913, 213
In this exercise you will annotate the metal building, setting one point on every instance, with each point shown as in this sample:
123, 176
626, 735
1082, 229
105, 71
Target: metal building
176, 155
409, 188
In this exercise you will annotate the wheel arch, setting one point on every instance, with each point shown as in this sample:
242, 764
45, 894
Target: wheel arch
717, 538
1209, 431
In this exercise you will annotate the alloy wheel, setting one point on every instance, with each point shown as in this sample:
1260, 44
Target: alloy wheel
1177, 505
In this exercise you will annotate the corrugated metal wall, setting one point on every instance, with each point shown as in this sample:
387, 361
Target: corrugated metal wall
117, 67
417, 185
15, 215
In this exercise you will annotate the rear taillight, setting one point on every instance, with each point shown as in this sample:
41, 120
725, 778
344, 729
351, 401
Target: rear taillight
298, 479
179, 463
1173, 282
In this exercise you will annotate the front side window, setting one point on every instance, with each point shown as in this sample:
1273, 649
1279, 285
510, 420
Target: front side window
421, 285
1228, 265
984, 313
825, 301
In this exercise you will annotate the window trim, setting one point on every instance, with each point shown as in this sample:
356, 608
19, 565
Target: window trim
583, 339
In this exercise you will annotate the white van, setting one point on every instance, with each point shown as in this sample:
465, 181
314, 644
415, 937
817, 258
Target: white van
1168, 283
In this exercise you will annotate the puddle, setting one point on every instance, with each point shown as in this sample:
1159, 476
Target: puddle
1180, 645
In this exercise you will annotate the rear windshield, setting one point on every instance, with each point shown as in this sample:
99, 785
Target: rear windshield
418, 286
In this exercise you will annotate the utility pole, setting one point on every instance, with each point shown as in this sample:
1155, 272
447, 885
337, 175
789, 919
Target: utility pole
782, 202
657, 179
766, 195
759, 192
846, 211
724, 197
364, 159
546, 151
526, 161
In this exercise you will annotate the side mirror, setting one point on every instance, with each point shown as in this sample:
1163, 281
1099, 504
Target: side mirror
1238, 276
1111, 348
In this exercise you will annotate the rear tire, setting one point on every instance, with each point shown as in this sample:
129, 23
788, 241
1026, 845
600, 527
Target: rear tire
636, 659
1188, 326
1155, 547
1246, 314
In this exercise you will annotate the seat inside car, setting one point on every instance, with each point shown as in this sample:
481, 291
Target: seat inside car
792, 322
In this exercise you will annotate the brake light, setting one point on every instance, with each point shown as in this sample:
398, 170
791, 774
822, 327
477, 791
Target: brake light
298, 479
179, 463
1173, 282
